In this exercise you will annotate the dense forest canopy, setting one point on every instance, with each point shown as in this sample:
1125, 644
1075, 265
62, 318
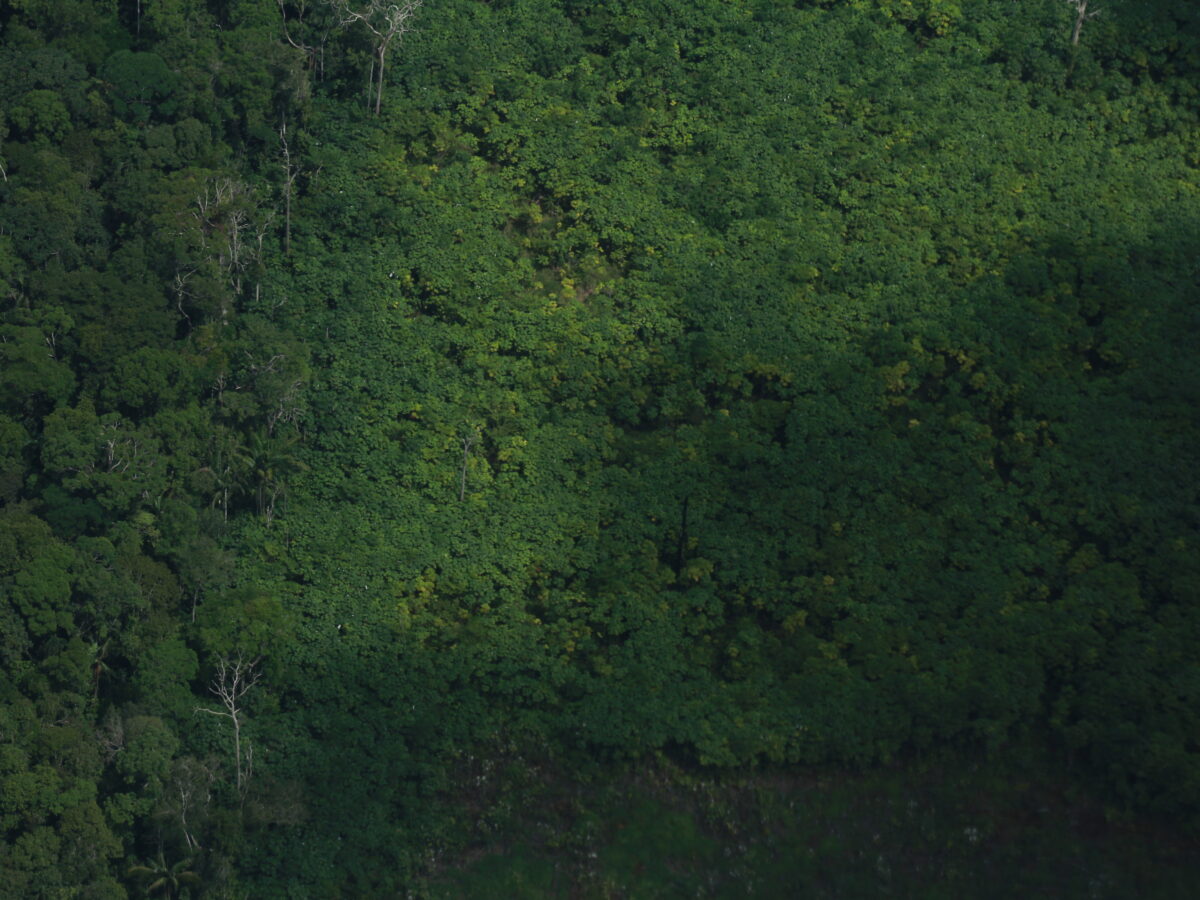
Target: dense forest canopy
745, 384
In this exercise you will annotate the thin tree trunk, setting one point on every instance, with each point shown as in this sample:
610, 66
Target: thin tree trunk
289, 180
237, 749
467, 442
379, 89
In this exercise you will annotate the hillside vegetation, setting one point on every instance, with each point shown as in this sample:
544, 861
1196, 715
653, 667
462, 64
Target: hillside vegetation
738, 389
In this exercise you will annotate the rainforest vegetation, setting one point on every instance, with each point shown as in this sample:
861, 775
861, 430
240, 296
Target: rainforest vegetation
630, 448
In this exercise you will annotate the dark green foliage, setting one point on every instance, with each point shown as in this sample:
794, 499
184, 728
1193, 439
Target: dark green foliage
751, 384
141, 84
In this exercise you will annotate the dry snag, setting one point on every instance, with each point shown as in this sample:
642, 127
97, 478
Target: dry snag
1081, 16
232, 682
386, 22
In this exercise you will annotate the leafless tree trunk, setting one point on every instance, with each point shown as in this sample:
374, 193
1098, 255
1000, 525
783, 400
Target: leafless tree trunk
181, 291
188, 790
468, 441
1081, 16
382, 51
233, 680
290, 172
276, 491
287, 407
386, 22
229, 226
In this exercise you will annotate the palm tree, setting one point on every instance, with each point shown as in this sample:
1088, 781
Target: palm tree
229, 462
273, 460
156, 877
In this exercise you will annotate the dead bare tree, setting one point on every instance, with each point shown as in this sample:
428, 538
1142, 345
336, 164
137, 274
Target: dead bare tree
468, 441
234, 679
120, 450
290, 173
1081, 16
187, 791
181, 291
228, 230
386, 22
287, 407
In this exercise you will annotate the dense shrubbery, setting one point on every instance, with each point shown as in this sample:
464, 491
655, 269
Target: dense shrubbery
753, 383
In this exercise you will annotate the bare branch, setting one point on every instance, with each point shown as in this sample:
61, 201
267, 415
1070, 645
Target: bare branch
188, 790
233, 681
290, 173
386, 22
1081, 16
468, 441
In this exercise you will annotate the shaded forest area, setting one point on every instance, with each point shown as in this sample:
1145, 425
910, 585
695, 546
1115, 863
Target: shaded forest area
664, 414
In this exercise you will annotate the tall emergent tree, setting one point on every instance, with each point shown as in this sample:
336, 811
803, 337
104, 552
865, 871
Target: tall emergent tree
234, 679
386, 22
